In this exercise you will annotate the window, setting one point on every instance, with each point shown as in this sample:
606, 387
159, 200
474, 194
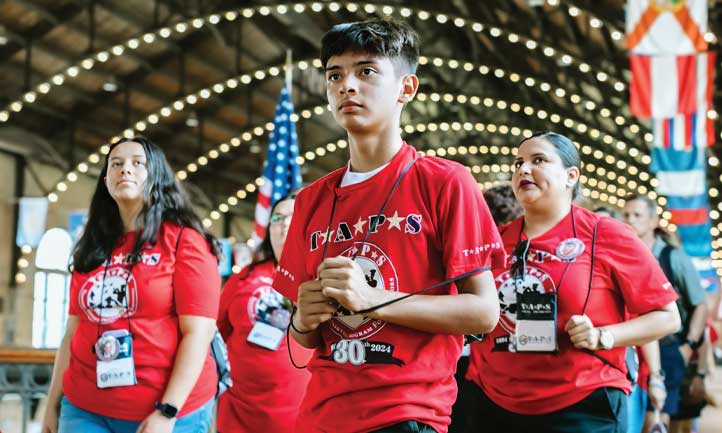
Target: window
51, 284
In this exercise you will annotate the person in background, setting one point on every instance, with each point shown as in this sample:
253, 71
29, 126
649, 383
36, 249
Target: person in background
503, 207
648, 388
676, 350
556, 361
143, 304
267, 389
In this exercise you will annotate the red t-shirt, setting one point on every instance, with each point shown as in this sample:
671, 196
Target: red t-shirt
267, 389
435, 226
165, 284
627, 277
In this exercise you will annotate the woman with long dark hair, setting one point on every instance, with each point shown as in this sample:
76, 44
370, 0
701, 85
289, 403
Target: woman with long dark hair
143, 303
576, 289
267, 389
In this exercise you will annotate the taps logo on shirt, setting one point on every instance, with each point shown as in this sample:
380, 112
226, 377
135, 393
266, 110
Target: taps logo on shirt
109, 295
535, 280
380, 274
345, 231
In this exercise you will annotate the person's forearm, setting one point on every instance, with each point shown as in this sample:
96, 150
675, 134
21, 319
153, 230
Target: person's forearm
445, 314
62, 358
310, 339
697, 322
647, 327
651, 356
191, 356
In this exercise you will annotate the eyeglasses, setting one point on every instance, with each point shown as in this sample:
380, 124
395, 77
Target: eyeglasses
518, 268
278, 218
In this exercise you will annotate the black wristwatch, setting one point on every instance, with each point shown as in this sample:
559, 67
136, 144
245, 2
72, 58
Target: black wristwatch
166, 409
692, 344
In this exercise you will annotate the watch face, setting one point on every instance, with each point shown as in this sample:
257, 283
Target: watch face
168, 410
606, 340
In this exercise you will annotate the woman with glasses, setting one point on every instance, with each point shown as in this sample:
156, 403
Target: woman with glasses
576, 290
267, 389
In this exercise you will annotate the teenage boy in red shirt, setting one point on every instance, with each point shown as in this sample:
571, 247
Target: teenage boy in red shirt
390, 223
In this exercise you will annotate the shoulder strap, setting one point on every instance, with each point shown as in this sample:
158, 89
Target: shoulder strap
586, 302
665, 262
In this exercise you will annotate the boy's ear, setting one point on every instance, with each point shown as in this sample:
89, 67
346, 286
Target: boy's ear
408, 90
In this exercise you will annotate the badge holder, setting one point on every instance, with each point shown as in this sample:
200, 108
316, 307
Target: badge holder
265, 335
536, 324
114, 365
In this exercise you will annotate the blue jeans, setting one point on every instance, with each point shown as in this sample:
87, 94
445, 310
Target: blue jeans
75, 420
636, 409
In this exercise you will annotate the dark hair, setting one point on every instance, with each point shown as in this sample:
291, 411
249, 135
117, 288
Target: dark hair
566, 150
503, 205
608, 211
164, 199
652, 208
265, 251
382, 37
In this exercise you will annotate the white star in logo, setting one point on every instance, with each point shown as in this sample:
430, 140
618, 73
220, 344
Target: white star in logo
359, 226
395, 221
324, 237
118, 260
374, 254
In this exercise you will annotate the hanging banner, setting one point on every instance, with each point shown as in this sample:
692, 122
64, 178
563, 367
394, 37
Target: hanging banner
663, 27
76, 223
31, 221
226, 263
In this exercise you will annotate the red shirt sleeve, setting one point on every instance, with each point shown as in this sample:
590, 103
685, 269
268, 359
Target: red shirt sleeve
227, 294
196, 280
469, 237
292, 267
633, 268
75, 282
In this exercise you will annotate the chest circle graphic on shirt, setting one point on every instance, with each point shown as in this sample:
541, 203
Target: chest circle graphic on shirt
108, 299
380, 274
268, 306
535, 280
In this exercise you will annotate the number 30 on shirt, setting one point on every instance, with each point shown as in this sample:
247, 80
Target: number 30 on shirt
349, 351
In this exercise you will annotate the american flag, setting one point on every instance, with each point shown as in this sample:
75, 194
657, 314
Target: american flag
281, 172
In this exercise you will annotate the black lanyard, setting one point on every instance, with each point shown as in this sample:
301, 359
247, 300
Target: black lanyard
522, 250
341, 310
378, 214
132, 260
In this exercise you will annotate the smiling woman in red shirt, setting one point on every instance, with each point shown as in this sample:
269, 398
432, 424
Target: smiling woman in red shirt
267, 390
555, 361
143, 305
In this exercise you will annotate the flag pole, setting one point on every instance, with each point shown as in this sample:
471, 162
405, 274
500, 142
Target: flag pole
289, 70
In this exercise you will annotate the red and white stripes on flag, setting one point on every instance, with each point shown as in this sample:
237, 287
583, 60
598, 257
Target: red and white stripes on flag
665, 86
684, 131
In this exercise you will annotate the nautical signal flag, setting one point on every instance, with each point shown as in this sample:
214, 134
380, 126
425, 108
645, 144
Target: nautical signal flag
684, 131
666, 27
665, 86
691, 216
679, 172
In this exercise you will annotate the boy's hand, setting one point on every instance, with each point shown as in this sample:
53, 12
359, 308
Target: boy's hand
343, 280
313, 307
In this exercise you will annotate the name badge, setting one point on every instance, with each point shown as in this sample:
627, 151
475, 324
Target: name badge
536, 322
115, 366
265, 335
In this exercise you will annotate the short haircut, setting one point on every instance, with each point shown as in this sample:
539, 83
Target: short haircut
566, 150
503, 205
386, 37
651, 204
